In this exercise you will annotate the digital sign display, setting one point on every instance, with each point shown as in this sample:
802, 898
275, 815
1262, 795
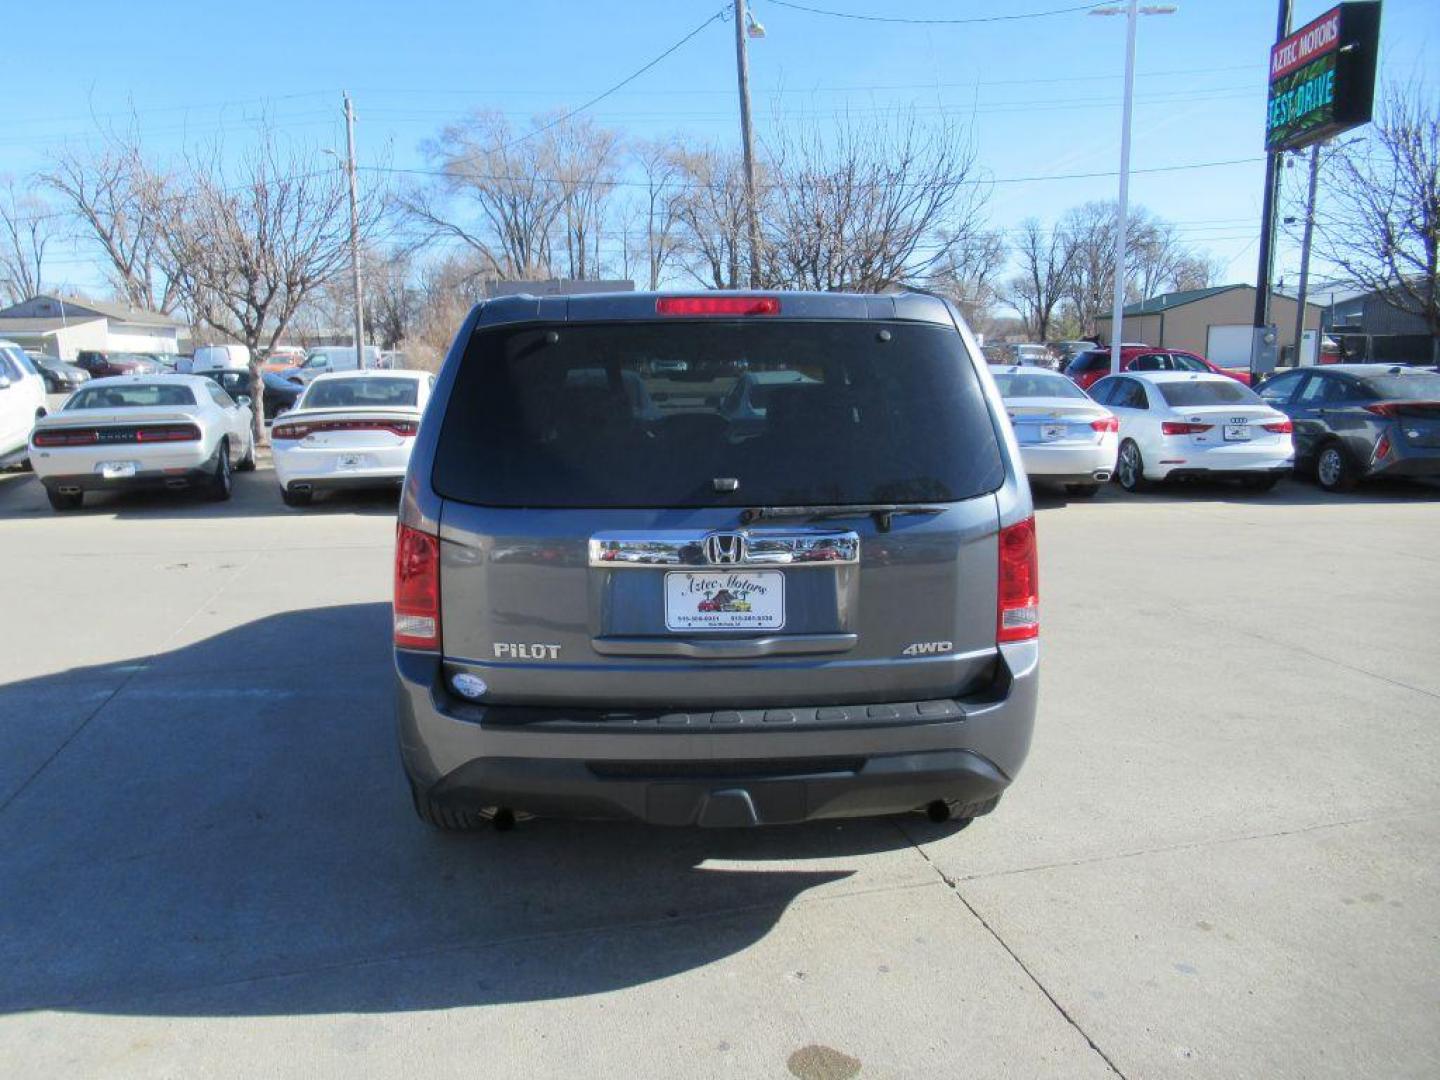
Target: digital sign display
1322, 77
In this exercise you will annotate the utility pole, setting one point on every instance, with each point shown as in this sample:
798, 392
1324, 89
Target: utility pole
1305, 248
354, 232
742, 65
1122, 222
1261, 322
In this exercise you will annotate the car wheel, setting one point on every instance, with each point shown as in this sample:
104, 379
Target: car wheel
247, 463
65, 500
1265, 482
219, 489
1082, 491
450, 819
1130, 468
1333, 469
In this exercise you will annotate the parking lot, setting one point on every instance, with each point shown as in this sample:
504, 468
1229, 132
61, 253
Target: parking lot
1220, 860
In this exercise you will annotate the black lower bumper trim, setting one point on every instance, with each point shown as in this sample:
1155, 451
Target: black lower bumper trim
770, 792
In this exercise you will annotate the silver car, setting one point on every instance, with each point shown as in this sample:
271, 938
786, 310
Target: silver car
650, 606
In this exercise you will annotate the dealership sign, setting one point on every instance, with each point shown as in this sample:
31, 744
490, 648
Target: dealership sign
1322, 77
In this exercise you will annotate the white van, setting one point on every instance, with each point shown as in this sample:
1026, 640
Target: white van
220, 358
325, 359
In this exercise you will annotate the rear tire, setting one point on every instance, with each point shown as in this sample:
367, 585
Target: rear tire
1082, 491
1264, 482
218, 490
295, 498
1130, 468
448, 819
65, 500
1333, 469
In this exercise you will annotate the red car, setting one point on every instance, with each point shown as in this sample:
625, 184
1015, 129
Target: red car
1094, 364
103, 364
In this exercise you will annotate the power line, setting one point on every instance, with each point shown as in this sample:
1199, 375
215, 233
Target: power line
931, 22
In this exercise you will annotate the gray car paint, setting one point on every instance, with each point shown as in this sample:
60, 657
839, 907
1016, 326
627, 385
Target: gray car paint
523, 575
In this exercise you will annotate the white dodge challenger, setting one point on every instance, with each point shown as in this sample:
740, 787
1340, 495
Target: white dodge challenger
143, 432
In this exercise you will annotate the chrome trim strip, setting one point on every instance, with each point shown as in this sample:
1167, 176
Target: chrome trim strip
729, 548
732, 649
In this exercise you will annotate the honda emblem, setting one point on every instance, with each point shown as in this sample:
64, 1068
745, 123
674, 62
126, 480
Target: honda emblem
725, 549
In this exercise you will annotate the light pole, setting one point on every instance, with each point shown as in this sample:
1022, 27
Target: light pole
1132, 12
745, 26
349, 166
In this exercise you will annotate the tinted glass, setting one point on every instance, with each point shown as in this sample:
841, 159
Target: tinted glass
1181, 362
1277, 390
1423, 384
1314, 391
1036, 386
130, 396
232, 382
1150, 362
21, 361
1207, 392
797, 412
1088, 361
362, 393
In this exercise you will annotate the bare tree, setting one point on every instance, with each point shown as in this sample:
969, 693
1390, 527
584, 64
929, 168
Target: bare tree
110, 195
869, 205
712, 213
391, 301
664, 193
25, 230
1046, 259
447, 290
247, 243
969, 276
495, 194
1379, 222
583, 158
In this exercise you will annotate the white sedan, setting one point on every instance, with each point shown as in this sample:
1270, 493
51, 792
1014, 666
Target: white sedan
349, 430
142, 431
1064, 436
1178, 424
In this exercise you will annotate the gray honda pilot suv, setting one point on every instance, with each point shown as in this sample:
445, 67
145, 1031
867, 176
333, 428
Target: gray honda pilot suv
728, 559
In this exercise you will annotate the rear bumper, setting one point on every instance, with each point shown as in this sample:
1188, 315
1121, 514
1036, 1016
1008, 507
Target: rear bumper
150, 480
320, 469
727, 767
1091, 463
1411, 461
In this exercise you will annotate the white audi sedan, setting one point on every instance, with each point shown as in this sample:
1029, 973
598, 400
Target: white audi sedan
1178, 425
1064, 436
142, 431
349, 430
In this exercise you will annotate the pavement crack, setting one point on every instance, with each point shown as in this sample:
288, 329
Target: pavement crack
1050, 997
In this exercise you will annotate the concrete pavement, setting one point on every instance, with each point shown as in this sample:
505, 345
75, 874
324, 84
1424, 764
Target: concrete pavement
1220, 860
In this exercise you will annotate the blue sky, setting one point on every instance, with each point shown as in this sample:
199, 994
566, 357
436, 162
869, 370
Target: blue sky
1044, 93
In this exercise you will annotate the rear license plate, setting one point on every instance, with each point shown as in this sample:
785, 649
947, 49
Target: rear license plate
725, 600
1237, 432
1052, 431
351, 461
117, 470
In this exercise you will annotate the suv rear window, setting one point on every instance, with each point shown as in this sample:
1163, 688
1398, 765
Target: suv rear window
1089, 361
1208, 392
650, 414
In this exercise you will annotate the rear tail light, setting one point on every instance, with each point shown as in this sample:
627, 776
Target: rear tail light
1280, 427
1106, 423
404, 428
1382, 449
168, 433
1387, 409
1018, 617
717, 305
1174, 427
417, 589
60, 437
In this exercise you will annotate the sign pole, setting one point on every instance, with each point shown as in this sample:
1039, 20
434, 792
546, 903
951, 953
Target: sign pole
1267, 235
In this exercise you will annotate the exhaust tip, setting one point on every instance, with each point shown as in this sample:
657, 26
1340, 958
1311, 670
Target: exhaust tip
938, 811
503, 819
1102, 475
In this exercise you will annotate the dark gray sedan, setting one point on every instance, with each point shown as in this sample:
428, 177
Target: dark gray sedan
1356, 421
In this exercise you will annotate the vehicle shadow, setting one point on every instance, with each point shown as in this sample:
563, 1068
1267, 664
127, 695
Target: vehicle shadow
1292, 491
226, 833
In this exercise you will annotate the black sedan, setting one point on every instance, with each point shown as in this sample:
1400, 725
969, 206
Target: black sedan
280, 393
1356, 421
60, 377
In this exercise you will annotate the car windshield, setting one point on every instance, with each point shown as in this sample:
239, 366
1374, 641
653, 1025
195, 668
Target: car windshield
1036, 386
1422, 384
131, 396
369, 392
232, 382
1207, 392
22, 361
787, 413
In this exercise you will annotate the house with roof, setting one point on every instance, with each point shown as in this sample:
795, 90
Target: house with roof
61, 326
1214, 322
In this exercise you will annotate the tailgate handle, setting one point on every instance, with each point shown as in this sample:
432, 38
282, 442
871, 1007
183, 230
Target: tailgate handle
725, 649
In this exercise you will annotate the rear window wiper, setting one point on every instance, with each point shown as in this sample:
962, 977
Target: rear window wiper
881, 512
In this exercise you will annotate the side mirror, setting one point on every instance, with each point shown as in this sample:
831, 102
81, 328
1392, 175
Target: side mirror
243, 400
